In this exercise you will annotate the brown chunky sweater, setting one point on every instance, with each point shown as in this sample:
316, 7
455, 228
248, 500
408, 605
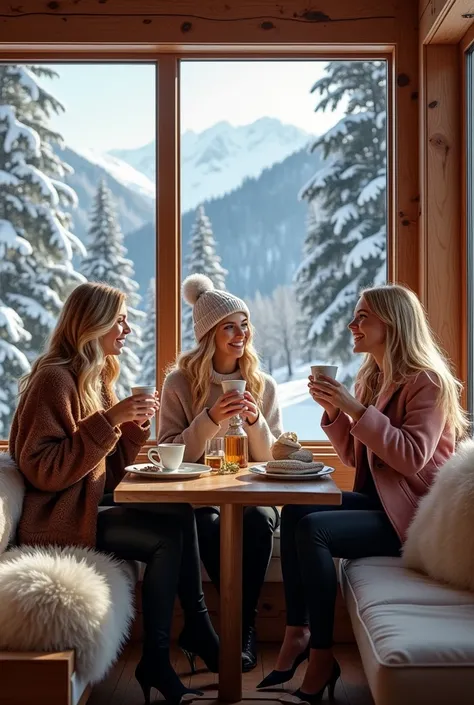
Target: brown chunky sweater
67, 459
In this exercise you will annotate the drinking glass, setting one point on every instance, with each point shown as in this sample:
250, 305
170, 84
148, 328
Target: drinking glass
214, 453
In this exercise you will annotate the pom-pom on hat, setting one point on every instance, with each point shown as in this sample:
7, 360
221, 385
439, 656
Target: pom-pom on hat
210, 305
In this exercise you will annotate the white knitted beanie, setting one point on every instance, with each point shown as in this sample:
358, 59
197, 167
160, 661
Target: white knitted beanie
210, 305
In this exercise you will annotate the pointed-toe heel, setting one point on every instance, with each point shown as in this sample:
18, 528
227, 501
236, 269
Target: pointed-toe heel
314, 698
146, 692
191, 659
164, 679
278, 677
193, 644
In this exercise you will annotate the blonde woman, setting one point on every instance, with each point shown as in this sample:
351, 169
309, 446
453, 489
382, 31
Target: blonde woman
398, 429
194, 409
71, 438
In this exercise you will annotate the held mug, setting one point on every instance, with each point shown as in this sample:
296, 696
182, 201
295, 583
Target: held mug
326, 370
145, 389
168, 456
230, 384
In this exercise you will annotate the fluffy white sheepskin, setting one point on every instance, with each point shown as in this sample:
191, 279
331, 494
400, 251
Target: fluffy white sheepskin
440, 539
53, 599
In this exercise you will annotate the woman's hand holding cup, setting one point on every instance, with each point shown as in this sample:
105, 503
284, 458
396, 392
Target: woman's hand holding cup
140, 407
227, 405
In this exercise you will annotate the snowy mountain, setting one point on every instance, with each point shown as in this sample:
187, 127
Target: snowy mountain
259, 229
133, 208
219, 159
121, 171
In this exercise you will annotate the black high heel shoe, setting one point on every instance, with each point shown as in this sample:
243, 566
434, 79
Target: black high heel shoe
313, 698
205, 645
159, 673
279, 677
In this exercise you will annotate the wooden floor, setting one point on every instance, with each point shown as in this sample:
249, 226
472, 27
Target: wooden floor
121, 688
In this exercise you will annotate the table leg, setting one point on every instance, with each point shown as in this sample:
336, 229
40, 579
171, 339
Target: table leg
230, 670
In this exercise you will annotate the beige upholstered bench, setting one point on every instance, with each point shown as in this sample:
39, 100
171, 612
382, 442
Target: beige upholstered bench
415, 636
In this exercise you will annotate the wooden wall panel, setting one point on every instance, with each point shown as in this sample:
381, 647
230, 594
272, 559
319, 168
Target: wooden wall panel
441, 189
178, 22
442, 21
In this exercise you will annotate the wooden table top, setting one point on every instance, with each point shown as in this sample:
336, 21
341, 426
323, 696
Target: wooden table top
241, 488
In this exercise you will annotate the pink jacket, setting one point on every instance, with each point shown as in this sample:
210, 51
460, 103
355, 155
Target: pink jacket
406, 439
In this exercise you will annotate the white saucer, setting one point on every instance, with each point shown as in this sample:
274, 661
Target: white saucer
185, 471
261, 470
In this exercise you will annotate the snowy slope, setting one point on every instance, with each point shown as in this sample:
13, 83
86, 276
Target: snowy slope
121, 171
218, 160
133, 207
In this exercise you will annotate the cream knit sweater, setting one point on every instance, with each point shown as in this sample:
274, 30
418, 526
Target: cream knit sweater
178, 424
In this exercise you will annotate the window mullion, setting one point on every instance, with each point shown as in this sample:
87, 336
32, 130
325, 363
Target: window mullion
168, 264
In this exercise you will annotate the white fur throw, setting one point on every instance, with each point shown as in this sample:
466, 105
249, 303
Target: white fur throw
65, 598
12, 490
440, 539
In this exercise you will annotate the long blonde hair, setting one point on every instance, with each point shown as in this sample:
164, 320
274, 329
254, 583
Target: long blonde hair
196, 365
89, 313
410, 348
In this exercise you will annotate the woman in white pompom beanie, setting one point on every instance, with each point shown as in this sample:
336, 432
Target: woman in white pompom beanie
194, 410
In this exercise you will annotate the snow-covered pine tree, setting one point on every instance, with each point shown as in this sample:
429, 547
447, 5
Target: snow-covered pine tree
345, 248
36, 245
106, 261
148, 355
202, 259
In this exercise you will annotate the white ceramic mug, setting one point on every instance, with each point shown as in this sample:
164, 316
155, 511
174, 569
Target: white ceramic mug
230, 384
327, 370
168, 456
148, 389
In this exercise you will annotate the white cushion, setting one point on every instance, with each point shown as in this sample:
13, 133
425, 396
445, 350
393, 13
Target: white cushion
416, 637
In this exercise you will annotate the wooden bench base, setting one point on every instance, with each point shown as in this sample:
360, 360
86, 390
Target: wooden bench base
37, 678
270, 620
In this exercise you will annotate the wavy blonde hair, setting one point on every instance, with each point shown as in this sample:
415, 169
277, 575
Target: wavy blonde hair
196, 365
410, 349
89, 312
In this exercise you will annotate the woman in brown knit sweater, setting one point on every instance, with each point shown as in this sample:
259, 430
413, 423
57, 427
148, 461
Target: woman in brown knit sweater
72, 439
195, 410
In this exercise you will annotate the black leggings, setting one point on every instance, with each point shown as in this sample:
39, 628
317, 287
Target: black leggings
259, 524
310, 537
164, 537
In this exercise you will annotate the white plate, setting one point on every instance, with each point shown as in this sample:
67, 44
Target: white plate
261, 470
185, 471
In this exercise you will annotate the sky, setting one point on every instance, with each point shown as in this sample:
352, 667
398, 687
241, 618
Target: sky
112, 106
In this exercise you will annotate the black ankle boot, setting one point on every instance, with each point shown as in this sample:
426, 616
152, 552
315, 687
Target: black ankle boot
249, 649
154, 670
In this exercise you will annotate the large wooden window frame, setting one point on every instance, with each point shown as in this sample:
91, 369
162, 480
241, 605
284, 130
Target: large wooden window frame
466, 52
403, 246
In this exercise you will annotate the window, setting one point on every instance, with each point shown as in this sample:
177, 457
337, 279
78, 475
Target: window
470, 224
77, 202
283, 198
